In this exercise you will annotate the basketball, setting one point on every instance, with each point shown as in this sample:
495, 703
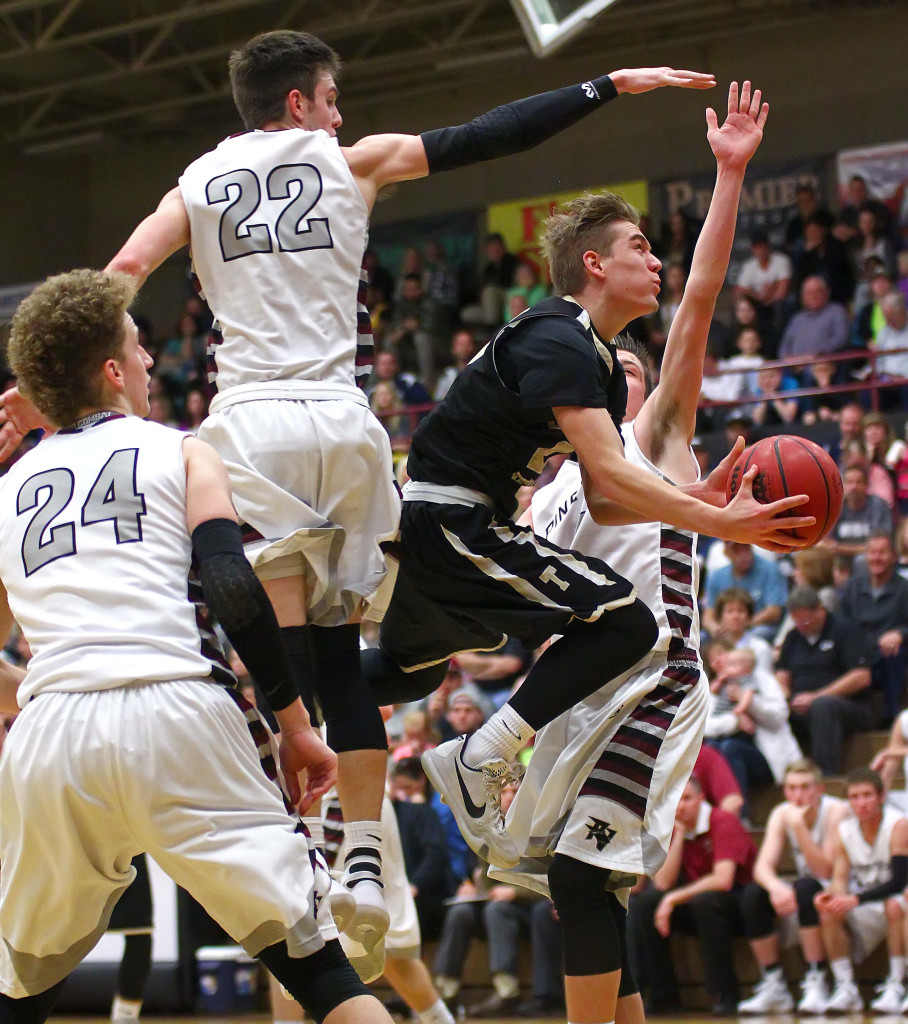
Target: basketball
790, 465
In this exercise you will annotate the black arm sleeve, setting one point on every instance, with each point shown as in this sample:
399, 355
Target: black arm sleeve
235, 596
893, 887
516, 126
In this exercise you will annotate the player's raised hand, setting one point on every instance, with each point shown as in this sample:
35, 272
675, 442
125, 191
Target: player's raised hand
752, 522
737, 140
637, 80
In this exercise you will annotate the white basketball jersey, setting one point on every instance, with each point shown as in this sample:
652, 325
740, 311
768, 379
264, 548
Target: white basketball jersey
870, 864
659, 560
95, 558
816, 834
278, 228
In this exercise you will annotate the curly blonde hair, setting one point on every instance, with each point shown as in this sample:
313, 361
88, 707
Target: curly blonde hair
62, 334
585, 223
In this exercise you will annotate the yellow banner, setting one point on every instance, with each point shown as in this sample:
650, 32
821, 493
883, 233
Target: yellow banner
520, 221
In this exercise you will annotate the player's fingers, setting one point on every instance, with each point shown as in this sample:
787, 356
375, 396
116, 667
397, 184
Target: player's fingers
744, 102
783, 504
292, 782
761, 117
733, 98
755, 101
712, 121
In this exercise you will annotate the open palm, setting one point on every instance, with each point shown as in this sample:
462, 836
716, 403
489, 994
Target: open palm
737, 140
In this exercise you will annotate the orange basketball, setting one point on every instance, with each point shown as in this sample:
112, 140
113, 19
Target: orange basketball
793, 465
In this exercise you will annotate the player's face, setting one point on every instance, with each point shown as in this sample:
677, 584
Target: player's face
636, 383
631, 272
135, 364
321, 111
865, 801
802, 790
689, 806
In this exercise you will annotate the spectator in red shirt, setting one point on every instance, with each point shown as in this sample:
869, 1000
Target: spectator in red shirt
698, 892
717, 781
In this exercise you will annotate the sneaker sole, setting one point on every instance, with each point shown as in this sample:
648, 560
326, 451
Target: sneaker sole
369, 927
343, 911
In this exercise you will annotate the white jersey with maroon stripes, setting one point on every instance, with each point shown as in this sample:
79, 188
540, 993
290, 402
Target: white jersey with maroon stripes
605, 777
278, 229
817, 833
95, 557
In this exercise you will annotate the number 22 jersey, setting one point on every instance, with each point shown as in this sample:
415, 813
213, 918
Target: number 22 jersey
278, 228
95, 557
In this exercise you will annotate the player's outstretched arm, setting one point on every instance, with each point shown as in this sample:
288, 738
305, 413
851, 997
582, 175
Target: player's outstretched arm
670, 412
379, 160
160, 235
239, 601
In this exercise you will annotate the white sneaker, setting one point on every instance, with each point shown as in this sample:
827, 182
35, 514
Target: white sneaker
904, 1007
371, 920
814, 994
770, 996
845, 998
474, 796
343, 905
891, 995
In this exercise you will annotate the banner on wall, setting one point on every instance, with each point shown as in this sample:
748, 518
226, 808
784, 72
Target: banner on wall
767, 201
520, 221
884, 169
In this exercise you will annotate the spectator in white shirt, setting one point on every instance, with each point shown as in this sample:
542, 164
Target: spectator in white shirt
765, 277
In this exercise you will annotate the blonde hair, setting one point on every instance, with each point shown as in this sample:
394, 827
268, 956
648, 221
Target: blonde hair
585, 223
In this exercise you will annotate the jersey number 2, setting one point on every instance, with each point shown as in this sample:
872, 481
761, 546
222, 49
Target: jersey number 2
113, 496
294, 232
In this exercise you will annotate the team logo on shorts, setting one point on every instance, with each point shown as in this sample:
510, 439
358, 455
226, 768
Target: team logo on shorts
601, 832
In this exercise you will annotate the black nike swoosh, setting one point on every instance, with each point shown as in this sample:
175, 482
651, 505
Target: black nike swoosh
474, 810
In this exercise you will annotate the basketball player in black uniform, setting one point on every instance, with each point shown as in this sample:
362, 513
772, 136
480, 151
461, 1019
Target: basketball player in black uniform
550, 381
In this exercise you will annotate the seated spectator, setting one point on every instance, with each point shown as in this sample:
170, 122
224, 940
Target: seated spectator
807, 822
811, 567
745, 317
496, 277
182, 358
674, 278
494, 673
872, 240
748, 719
888, 760
468, 708
759, 576
463, 348
410, 265
717, 781
875, 600
825, 407
679, 238
416, 737
436, 704
410, 333
734, 611
384, 400
851, 428
409, 387
863, 904
862, 514
749, 345
697, 891
504, 914
716, 386
879, 479
441, 284
859, 198
824, 672
819, 327
876, 283
894, 335
808, 205
765, 278
526, 285
883, 450
195, 410
774, 410
378, 276
824, 255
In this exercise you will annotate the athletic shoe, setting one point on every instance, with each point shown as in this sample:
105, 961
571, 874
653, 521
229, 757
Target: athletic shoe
371, 920
814, 994
370, 965
889, 1000
905, 1004
343, 905
770, 996
845, 998
474, 796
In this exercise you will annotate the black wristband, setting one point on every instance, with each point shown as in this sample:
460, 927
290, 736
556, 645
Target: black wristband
515, 127
892, 887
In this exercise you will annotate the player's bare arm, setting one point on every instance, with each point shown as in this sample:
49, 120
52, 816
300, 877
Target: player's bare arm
10, 675
380, 160
160, 235
667, 421
598, 446
239, 601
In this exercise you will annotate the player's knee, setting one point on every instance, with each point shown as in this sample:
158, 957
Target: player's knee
894, 911
320, 982
590, 928
357, 729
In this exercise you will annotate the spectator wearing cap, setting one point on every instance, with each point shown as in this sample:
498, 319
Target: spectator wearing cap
468, 708
765, 278
759, 576
824, 672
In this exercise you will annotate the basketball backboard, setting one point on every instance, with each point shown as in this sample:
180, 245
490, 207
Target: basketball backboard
549, 24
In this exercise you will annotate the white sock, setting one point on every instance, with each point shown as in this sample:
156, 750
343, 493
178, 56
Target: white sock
842, 971
772, 972
506, 985
502, 737
437, 1013
125, 1009
897, 968
316, 829
362, 863
447, 987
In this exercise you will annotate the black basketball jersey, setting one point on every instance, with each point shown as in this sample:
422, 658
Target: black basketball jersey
495, 428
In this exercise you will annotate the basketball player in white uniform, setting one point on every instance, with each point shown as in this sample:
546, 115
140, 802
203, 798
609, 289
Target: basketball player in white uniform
807, 821
131, 738
864, 902
602, 786
277, 219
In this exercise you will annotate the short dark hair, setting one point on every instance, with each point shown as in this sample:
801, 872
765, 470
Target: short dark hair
628, 343
759, 237
62, 334
273, 64
733, 595
864, 776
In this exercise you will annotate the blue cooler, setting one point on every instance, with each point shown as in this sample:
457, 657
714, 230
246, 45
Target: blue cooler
228, 979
